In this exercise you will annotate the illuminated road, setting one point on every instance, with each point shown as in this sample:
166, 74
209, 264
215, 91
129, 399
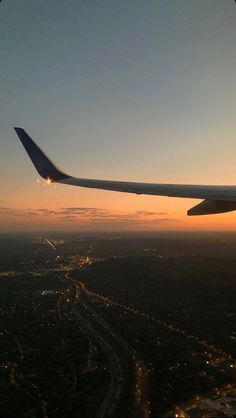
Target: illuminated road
129, 375
117, 375
213, 355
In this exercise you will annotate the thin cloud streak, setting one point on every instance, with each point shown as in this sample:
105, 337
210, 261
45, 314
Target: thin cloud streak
101, 219
88, 216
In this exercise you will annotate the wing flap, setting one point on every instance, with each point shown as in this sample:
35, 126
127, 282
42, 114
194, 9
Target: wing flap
210, 207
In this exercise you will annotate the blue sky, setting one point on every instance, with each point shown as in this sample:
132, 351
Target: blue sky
138, 90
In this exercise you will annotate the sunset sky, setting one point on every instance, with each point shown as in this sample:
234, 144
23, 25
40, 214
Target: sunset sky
125, 90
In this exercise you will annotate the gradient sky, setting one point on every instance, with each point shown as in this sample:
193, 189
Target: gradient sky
132, 90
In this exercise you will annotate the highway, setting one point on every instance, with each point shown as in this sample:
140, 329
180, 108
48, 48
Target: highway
115, 367
128, 373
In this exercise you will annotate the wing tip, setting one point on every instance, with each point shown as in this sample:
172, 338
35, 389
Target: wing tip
18, 129
45, 167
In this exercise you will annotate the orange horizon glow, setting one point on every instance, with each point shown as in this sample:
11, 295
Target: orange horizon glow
78, 209
41, 205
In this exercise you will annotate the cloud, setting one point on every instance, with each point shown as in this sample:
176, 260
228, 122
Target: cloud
90, 216
82, 211
16, 212
46, 211
117, 219
147, 213
67, 218
28, 213
163, 220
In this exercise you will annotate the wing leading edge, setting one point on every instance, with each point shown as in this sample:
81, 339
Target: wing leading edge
217, 199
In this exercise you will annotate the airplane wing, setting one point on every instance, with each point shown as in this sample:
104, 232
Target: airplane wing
217, 199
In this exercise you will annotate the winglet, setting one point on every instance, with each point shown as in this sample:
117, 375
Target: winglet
45, 167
